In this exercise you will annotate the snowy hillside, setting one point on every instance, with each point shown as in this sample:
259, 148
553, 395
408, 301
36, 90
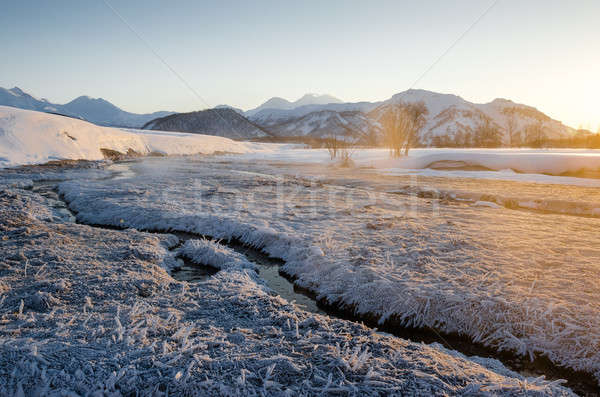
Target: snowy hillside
95, 110
451, 121
30, 137
273, 117
100, 111
222, 121
451, 116
326, 123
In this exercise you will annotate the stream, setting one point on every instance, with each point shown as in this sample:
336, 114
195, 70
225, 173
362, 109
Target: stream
269, 269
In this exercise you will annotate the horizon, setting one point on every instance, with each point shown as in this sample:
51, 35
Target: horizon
286, 99
505, 53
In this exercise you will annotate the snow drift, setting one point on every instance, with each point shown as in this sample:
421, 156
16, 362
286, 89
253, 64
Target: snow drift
557, 162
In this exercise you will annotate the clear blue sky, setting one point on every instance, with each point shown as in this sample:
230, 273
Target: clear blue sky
540, 52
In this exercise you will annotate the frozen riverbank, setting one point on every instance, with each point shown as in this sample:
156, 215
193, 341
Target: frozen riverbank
474, 270
88, 310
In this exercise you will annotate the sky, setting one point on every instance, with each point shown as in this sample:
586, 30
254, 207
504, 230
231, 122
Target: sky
190, 55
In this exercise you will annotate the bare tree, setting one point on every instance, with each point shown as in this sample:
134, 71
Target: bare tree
487, 133
332, 143
401, 124
535, 134
514, 136
340, 148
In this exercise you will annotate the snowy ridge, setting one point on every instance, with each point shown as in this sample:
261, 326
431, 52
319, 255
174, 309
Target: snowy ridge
30, 137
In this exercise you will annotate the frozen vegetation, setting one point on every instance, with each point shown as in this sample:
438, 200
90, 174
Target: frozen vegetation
89, 311
514, 280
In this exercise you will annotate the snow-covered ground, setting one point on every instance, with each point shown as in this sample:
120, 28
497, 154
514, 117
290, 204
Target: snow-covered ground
30, 137
526, 165
88, 311
511, 279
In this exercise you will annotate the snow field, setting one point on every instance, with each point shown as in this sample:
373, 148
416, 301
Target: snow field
526, 165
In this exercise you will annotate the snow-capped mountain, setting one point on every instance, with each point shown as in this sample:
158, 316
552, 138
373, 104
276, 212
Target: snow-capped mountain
238, 110
95, 110
100, 111
348, 125
451, 120
17, 98
277, 103
223, 121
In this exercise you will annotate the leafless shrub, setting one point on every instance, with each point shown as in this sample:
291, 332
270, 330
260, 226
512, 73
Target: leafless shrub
401, 124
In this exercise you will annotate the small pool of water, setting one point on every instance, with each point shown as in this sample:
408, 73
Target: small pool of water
192, 272
268, 269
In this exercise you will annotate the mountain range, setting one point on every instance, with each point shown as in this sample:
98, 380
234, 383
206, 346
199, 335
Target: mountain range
280, 103
450, 121
95, 110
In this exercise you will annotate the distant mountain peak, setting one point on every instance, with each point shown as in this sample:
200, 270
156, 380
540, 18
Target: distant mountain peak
237, 110
420, 94
276, 103
18, 91
86, 98
502, 101
96, 110
316, 99
284, 104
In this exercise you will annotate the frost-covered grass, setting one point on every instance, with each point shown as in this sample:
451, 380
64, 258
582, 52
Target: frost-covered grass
88, 311
213, 254
510, 279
